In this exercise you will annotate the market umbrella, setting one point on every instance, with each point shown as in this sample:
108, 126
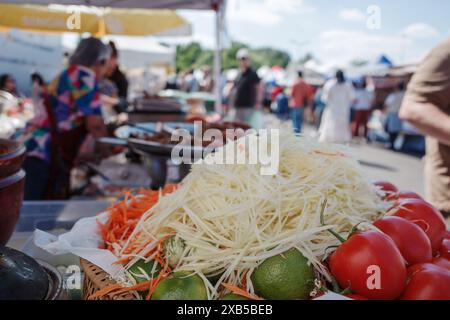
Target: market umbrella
97, 21
147, 4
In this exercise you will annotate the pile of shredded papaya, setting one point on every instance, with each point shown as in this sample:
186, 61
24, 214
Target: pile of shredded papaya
124, 216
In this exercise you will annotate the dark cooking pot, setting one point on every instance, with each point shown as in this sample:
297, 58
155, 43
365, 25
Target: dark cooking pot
12, 155
11, 197
24, 278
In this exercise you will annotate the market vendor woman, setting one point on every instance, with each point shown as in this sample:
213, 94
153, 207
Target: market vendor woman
72, 106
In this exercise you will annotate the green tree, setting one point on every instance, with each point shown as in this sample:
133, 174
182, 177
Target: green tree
206, 58
270, 57
187, 55
194, 56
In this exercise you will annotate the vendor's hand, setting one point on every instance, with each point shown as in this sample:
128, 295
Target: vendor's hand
122, 118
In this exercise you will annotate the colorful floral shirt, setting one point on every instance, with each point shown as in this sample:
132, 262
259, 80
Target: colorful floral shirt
73, 95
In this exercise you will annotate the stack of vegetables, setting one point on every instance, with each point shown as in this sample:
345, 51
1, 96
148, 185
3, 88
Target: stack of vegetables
227, 232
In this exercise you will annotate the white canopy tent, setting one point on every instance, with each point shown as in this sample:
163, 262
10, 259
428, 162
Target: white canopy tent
216, 5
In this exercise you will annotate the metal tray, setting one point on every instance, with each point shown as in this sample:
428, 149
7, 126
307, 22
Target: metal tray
158, 149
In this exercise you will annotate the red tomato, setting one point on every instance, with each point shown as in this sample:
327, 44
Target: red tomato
425, 216
403, 195
410, 239
370, 263
421, 266
428, 284
444, 250
386, 186
355, 297
447, 234
441, 262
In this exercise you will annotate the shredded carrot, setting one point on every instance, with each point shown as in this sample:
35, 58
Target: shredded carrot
124, 216
240, 292
123, 261
103, 292
162, 274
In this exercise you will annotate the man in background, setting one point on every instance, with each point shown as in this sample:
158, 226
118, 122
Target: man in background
361, 108
247, 90
427, 106
392, 105
118, 78
301, 98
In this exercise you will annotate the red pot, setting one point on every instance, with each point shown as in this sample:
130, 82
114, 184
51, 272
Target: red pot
11, 197
12, 155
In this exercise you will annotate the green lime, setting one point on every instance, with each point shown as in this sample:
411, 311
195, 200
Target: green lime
181, 286
142, 271
286, 276
232, 296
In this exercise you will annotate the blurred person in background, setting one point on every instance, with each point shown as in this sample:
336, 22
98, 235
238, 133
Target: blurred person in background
247, 92
190, 82
427, 106
38, 86
110, 100
8, 84
73, 110
318, 106
338, 96
392, 104
361, 108
172, 82
16, 106
301, 97
120, 80
207, 81
37, 96
275, 91
282, 105
226, 94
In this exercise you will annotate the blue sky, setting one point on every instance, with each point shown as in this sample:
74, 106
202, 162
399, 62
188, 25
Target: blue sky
334, 31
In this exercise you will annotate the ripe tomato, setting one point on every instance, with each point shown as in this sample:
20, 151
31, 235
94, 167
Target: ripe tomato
370, 263
410, 239
386, 186
425, 216
403, 195
447, 234
421, 266
428, 284
441, 262
444, 250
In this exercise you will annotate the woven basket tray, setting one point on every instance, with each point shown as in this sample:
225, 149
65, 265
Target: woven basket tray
96, 279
